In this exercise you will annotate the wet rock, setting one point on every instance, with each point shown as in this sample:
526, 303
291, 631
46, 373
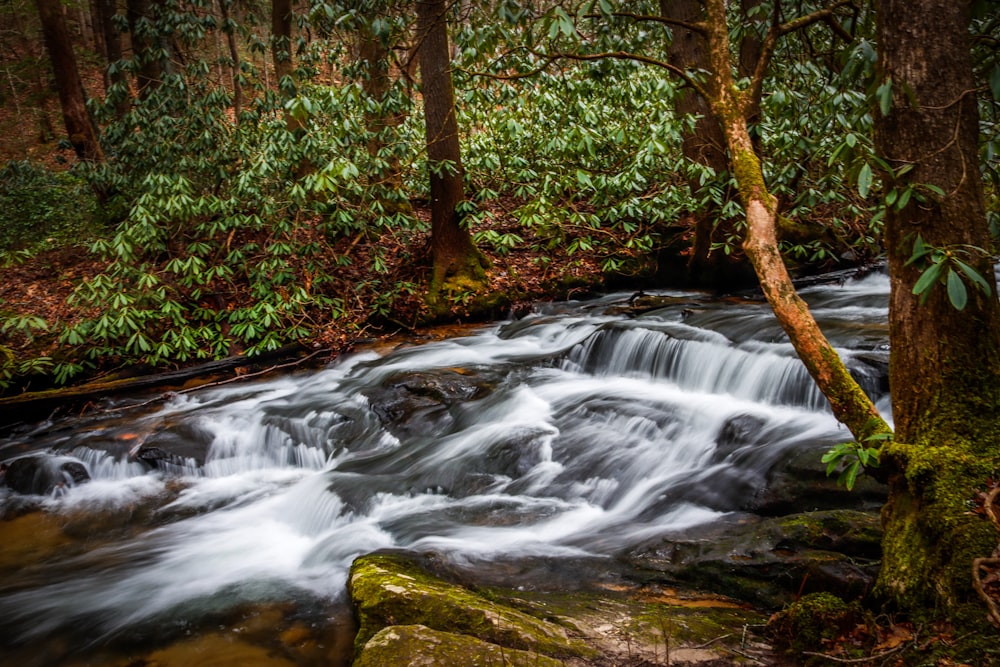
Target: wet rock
410, 645
770, 561
421, 402
800, 482
738, 431
40, 474
389, 589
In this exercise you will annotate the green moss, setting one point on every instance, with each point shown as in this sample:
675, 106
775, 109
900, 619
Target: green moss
403, 646
931, 538
389, 590
813, 621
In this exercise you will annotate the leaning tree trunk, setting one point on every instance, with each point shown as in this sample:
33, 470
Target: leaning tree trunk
457, 264
849, 403
79, 126
945, 363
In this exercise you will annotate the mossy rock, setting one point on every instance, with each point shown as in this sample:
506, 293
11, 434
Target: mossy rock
412, 645
388, 589
770, 561
812, 622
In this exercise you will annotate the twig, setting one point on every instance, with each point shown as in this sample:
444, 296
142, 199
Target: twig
857, 661
712, 641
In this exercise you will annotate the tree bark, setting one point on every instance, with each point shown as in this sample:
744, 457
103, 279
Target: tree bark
112, 40
281, 40
944, 363
705, 145
148, 46
457, 264
849, 403
228, 27
79, 125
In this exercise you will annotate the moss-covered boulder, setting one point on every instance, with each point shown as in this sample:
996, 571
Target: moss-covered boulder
769, 562
389, 589
418, 645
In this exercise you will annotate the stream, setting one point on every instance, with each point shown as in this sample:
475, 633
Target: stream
578, 432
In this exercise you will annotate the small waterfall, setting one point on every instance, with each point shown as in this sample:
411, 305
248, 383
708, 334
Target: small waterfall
713, 366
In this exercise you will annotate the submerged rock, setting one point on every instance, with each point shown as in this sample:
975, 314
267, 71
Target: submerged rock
417, 403
418, 645
388, 589
770, 561
40, 474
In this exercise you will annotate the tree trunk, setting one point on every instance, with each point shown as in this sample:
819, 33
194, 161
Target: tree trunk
281, 42
79, 126
229, 28
849, 403
112, 40
281, 54
944, 363
704, 145
457, 264
149, 47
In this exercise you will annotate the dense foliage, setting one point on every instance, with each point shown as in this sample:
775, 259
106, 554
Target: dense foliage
240, 227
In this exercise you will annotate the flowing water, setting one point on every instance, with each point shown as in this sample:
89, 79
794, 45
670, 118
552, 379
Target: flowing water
577, 432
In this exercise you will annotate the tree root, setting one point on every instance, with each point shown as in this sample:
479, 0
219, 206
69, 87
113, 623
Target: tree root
992, 564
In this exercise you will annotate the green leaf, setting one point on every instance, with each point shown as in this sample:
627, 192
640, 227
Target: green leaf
850, 474
995, 82
920, 249
864, 180
957, 293
884, 96
927, 279
974, 276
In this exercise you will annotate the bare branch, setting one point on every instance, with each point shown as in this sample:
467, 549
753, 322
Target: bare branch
635, 57
777, 30
698, 27
814, 17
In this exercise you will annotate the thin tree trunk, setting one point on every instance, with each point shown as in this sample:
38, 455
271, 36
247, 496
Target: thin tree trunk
79, 126
457, 263
234, 58
112, 39
281, 41
849, 403
281, 53
142, 28
944, 363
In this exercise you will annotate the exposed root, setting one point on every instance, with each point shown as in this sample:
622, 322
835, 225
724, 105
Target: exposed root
988, 585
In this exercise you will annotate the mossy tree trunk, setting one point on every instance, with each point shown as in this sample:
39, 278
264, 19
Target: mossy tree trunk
457, 264
944, 363
730, 105
79, 125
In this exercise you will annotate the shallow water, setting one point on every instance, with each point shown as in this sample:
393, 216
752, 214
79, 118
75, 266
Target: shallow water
577, 432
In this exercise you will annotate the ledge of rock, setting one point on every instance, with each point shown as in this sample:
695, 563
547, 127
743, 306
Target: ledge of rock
388, 590
418, 645
771, 561
409, 616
